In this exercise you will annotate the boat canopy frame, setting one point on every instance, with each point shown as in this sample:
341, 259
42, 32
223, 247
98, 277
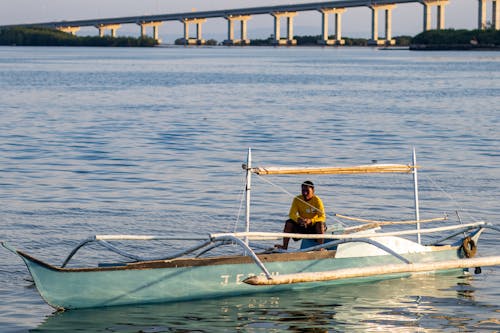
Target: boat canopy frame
358, 169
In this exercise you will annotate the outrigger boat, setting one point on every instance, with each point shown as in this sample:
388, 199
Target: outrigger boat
358, 254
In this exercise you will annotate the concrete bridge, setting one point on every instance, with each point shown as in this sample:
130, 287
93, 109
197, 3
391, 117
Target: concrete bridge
287, 12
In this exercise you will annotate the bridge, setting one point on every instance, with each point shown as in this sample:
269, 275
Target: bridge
288, 12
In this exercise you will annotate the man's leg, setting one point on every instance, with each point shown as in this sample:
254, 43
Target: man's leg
289, 228
319, 228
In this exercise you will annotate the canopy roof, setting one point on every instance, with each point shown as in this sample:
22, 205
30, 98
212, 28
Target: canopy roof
370, 168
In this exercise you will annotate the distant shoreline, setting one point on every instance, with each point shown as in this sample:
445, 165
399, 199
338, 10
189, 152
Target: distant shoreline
453, 47
432, 40
51, 37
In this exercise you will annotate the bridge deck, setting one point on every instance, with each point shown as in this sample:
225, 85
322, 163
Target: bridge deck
214, 13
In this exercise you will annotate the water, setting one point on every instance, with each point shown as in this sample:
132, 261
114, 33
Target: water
151, 141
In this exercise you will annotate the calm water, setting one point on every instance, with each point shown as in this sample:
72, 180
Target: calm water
151, 141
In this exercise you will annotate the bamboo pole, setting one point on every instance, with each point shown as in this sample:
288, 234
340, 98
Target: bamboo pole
146, 237
248, 187
436, 219
415, 189
349, 273
270, 235
372, 168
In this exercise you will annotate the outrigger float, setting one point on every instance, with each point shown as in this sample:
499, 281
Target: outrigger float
358, 254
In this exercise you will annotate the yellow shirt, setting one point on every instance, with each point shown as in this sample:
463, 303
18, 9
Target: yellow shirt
312, 209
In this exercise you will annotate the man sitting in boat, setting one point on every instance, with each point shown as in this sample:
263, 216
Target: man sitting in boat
306, 216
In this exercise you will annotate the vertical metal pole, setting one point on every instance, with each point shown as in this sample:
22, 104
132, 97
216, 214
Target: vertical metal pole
247, 192
415, 181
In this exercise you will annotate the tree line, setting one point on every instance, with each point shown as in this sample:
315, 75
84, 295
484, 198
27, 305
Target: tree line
52, 37
457, 39
432, 39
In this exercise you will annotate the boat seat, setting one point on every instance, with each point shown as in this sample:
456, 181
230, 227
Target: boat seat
111, 264
306, 243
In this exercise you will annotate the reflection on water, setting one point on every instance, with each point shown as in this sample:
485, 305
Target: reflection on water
421, 303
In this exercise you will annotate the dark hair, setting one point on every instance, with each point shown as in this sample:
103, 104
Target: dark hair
308, 183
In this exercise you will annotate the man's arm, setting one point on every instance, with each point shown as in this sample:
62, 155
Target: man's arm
293, 214
320, 212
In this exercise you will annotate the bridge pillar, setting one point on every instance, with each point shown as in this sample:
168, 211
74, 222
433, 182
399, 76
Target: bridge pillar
243, 30
155, 26
495, 14
112, 27
71, 30
338, 26
481, 23
428, 4
440, 17
193, 41
277, 28
388, 25
230, 30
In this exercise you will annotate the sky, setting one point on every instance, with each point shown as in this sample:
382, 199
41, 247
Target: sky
407, 19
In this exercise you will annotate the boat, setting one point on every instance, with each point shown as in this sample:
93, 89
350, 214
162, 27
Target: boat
360, 253
208, 315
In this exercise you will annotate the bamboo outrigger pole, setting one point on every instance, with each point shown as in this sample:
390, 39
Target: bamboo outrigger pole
417, 208
248, 187
359, 169
349, 273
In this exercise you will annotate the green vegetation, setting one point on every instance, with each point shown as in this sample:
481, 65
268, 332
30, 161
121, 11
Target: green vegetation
403, 40
354, 41
451, 39
261, 42
313, 40
53, 37
307, 40
182, 41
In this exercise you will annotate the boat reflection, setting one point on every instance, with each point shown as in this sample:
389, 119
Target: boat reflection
398, 305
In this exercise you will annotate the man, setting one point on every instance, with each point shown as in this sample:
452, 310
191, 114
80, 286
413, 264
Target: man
306, 216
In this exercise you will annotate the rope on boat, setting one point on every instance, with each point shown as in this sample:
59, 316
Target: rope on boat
293, 196
357, 219
380, 223
450, 197
240, 208
360, 272
444, 218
